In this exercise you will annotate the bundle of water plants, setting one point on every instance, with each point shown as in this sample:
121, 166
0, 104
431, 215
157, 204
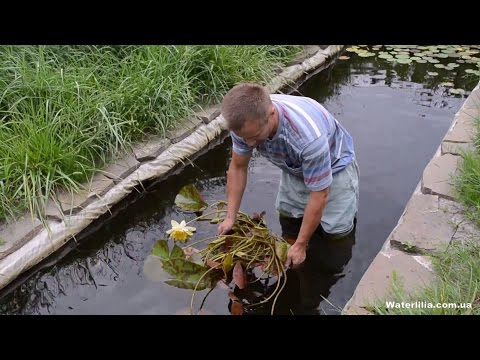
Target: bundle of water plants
248, 254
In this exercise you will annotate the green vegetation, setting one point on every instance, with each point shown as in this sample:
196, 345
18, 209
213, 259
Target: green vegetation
468, 181
455, 291
65, 110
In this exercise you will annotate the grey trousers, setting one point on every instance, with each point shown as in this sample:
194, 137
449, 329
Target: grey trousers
342, 202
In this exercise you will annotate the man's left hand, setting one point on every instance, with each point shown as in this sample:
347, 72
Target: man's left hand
296, 255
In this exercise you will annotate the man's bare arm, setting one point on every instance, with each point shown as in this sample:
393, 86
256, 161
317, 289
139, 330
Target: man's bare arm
236, 182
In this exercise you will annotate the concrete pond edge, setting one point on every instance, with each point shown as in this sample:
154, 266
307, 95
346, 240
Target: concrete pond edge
431, 220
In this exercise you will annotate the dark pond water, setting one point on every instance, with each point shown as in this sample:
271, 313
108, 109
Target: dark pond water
397, 117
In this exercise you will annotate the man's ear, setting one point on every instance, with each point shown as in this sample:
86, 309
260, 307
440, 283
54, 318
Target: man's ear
272, 110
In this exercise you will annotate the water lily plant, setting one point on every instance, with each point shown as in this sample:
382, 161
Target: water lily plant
180, 231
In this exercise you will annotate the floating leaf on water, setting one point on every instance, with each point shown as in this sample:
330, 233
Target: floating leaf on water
352, 49
433, 61
452, 65
190, 199
439, 66
471, 71
414, 58
421, 61
385, 56
366, 54
161, 250
343, 57
447, 84
461, 61
457, 91
432, 73
441, 55
404, 61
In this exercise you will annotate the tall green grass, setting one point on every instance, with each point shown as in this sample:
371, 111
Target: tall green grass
65, 110
467, 183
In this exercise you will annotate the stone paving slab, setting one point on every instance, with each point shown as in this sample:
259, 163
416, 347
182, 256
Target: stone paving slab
437, 176
377, 280
464, 228
149, 149
183, 129
462, 131
12, 234
423, 225
98, 185
121, 168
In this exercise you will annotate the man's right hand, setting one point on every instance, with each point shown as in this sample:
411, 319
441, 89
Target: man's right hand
225, 226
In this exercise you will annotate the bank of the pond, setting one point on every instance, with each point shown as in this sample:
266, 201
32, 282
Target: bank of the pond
433, 218
28, 241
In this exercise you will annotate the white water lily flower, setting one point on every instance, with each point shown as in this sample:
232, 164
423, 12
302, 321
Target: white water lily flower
180, 232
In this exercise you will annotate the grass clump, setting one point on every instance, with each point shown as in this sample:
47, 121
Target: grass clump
66, 110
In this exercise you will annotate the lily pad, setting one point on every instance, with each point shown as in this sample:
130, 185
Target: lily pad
385, 56
421, 61
433, 61
189, 199
176, 270
471, 71
457, 91
344, 57
352, 49
440, 66
404, 61
366, 54
432, 73
447, 84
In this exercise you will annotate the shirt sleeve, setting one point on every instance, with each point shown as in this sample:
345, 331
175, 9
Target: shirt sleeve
316, 164
240, 146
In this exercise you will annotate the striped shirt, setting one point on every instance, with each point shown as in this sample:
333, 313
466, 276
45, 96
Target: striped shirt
309, 143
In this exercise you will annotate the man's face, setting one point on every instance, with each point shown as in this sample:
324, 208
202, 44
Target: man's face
254, 133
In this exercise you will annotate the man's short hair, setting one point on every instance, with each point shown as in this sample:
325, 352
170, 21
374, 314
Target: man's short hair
246, 101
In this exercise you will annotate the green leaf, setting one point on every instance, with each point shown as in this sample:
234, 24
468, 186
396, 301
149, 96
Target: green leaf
189, 199
160, 249
281, 249
177, 252
227, 263
190, 281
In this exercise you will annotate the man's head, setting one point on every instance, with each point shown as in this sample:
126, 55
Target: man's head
249, 112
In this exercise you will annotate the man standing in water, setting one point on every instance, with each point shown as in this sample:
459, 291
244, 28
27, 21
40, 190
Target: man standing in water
319, 182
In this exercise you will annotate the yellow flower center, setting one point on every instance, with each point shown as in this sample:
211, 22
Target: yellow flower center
179, 234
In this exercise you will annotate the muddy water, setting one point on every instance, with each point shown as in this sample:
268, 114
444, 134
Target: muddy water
397, 124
